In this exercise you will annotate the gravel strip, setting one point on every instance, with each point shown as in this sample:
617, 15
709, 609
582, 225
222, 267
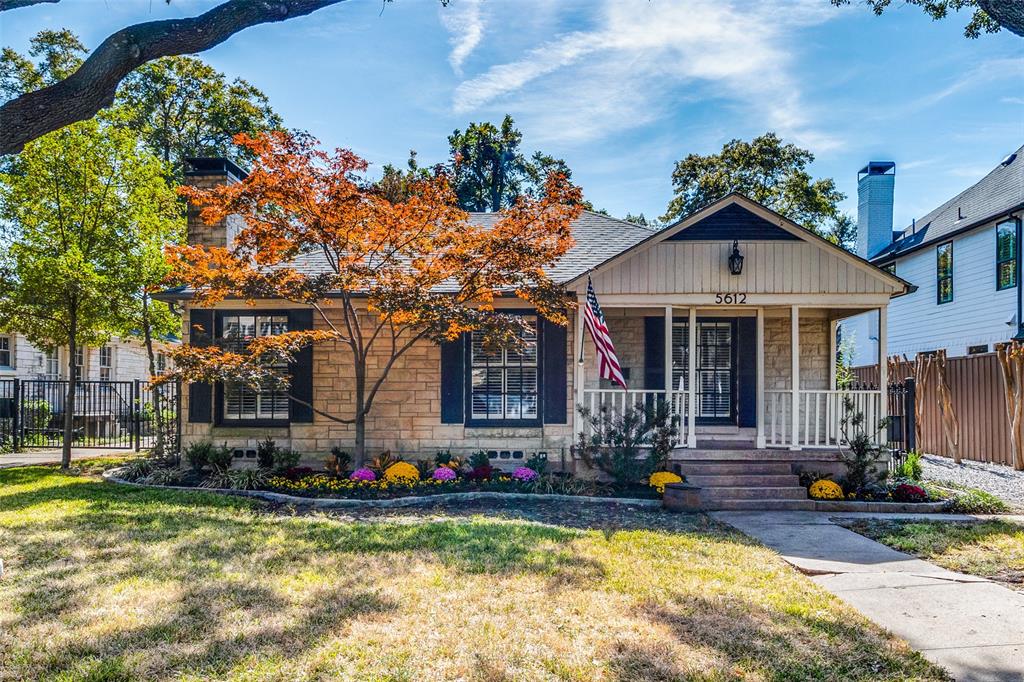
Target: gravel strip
998, 479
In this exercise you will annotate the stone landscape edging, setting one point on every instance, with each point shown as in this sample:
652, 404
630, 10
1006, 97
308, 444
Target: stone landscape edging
411, 501
878, 507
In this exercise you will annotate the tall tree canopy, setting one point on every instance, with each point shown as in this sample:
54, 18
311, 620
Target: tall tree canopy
398, 272
987, 16
766, 170
180, 106
81, 205
489, 170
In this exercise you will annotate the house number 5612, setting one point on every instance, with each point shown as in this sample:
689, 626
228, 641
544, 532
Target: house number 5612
731, 299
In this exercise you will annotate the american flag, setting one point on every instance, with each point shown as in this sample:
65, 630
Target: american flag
609, 367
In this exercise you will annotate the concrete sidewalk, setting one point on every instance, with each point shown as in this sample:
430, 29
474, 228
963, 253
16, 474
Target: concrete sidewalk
971, 626
34, 457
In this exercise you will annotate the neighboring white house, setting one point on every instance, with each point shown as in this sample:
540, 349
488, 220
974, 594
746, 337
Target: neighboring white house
963, 260
116, 360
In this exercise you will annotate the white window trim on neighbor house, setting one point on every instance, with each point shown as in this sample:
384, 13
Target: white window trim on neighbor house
107, 361
7, 352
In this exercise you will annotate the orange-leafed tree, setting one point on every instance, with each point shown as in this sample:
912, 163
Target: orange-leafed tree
394, 273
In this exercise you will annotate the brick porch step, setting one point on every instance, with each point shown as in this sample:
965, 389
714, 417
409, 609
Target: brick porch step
745, 480
754, 493
719, 468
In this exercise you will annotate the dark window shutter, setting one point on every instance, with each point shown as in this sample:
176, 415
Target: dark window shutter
554, 356
200, 395
301, 369
746, 371
654, 352
453, 380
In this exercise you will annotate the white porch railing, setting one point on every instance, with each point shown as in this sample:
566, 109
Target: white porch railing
616, 401
818, 417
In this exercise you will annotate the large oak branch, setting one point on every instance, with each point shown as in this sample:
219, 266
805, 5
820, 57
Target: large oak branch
1008, 13
93, 85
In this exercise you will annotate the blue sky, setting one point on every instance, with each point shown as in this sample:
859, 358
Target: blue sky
622, 88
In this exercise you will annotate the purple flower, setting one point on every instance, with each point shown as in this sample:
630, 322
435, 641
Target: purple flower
363, 474
524, 474
443, 474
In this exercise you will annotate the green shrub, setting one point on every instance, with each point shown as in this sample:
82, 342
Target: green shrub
247, 479
137, 469
198, 454
975, 501
266, 453
911, 468
164, 476
286, 459
478, 459
38, 414
221, 457
809, 478
631, 446
538, 462
342, 460
861, 454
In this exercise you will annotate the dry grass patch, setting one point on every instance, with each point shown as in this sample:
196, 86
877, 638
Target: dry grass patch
113, 583
990, 549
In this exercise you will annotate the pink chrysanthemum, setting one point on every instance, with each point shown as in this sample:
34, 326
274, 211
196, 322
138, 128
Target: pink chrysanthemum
443, 474
363, 474
524, 474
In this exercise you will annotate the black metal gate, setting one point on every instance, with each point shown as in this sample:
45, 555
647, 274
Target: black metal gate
105, 414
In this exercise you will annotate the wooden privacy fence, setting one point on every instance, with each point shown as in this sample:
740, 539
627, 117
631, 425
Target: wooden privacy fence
977, 387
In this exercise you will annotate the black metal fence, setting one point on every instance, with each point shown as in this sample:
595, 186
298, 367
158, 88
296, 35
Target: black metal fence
105, 414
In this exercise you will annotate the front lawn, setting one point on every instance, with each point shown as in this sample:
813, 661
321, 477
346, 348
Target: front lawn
108, 582
991, 549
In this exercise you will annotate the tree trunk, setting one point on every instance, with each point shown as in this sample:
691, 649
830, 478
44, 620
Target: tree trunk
158, 417
360, 415
69, 398
1011, 365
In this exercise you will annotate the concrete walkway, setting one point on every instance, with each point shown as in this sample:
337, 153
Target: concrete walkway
34, 457
971, 626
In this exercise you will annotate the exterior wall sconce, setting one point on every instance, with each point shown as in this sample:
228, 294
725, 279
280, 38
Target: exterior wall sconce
736, 259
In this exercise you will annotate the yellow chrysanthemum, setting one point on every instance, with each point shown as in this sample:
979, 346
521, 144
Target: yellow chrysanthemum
826, 490
659, 479
401, 472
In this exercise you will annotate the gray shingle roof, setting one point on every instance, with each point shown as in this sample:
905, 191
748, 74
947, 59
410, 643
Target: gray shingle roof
598, 238
996, 194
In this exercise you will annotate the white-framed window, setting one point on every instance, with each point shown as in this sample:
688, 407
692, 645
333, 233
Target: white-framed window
161, 363
106, 363
6, 351
240, 402
80, 362
504, 382
51, 364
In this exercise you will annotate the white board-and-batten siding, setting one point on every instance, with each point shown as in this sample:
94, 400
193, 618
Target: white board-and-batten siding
769, 267
977, 315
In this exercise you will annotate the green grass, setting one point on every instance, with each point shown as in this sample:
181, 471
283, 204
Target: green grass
107, 582
991, 549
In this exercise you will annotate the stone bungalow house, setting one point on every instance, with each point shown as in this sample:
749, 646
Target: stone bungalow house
761, 379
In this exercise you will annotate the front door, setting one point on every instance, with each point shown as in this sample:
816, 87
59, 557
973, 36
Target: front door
715, 371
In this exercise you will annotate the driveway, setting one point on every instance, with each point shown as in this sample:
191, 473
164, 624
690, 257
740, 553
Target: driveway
971, 626
33, 456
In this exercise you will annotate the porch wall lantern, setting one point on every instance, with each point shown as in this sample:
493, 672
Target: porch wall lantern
736, 259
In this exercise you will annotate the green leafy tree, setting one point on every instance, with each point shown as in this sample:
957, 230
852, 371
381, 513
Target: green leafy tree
986, 15
182, 107
490, 171
179, 106
766, 170
75, 203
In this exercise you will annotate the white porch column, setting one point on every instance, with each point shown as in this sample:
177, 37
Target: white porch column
691, 399
794, 346
883, 362
669, 388
833, 329
760, 442
578, 373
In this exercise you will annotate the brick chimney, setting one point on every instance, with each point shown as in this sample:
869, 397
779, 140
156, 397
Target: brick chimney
875, 184
206, 173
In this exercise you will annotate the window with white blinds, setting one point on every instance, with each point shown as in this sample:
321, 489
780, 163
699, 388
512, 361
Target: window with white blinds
242, 402
504, 382
714, 365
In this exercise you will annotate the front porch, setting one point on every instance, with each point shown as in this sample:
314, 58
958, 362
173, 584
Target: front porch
761, 377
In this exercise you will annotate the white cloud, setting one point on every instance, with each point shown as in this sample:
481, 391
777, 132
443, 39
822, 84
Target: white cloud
1011, 68
641, 60
465, 23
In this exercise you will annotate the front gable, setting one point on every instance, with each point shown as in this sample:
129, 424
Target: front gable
731, 222
780, 257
